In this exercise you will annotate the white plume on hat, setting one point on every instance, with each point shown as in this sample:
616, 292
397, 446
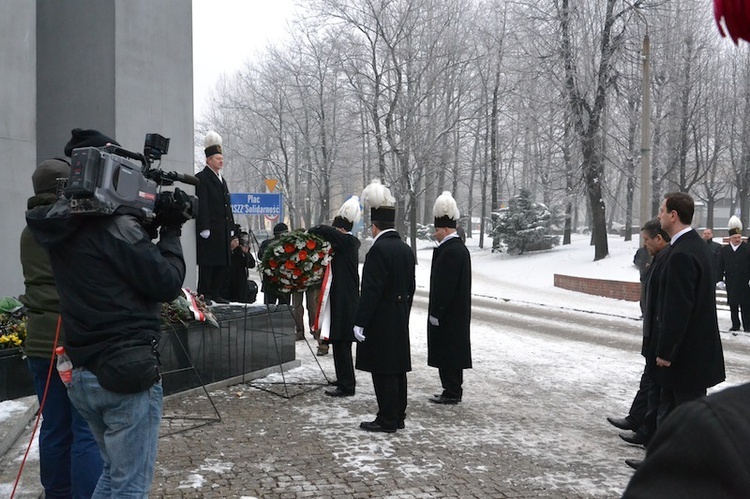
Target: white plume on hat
376, 195
212, 139
351, 210
734, 223
445, 206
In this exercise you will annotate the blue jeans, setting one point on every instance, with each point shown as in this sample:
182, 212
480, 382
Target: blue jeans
65, 437
126, 427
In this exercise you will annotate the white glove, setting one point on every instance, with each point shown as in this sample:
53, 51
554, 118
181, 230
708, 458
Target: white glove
359, 333
205, 233
721, 285
434, 321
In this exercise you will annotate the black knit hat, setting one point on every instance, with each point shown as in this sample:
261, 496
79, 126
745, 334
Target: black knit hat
46, 174
87, 138
280, 228
342, 223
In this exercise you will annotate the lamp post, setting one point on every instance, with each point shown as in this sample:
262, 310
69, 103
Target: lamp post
646, 134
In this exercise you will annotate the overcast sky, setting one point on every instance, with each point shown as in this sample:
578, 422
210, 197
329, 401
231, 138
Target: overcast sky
226, 33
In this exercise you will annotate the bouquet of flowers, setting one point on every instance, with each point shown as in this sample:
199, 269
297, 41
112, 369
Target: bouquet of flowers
186, 308
12, 323
296, 261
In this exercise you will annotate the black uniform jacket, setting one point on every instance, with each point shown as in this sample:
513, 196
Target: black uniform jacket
448, 344
214, 214
344, 295
688, 329
384, 305
734, 268
652, 293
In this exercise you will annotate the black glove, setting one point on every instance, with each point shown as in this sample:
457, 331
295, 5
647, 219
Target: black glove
173, 209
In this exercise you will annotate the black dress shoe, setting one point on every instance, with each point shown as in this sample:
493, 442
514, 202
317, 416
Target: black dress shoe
338, 392
634, 463
375, 427
334, 382
442, 399
734, 328
401, 425
623, 423
635, 438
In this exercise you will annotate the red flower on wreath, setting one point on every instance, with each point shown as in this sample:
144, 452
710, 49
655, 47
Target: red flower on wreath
310, 244
297, 272
273, 264
302, 255
289, 264
289, 248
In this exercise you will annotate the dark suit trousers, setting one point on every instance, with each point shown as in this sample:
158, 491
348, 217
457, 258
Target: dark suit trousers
639, 407
669, 399
211, 280
390, 390
342, 361
742, 309
452, 379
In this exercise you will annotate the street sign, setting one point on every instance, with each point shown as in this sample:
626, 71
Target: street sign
266, 204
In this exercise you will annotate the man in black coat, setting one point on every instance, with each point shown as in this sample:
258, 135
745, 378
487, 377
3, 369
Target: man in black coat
708, 236
344, 293
687, 348
734, 270
700, 451
382, 318
643, 412
214, 224
448, 331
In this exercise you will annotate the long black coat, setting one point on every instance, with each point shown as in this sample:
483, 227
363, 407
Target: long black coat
448, 344
214, 214
652, 293
344, 295
384, 306
688, 329
734, 268
700, 451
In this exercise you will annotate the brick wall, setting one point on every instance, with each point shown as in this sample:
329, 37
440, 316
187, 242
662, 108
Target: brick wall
620, 290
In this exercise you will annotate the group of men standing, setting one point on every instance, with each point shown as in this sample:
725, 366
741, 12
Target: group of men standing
376, 314
681, 341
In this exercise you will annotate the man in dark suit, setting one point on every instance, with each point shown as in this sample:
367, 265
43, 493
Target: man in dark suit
642, 416
734, 270
344, 292
687, 348
708, 236
448, 331
214, 224
382, 318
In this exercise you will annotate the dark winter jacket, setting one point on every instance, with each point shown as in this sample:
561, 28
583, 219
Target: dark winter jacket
652, 289
344, 294
41, 300
111, 278
699, 451
214, 214
448, 343
688, 334
384, 306
734, 269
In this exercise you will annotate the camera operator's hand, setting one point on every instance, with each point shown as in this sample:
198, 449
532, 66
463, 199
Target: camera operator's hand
173, 209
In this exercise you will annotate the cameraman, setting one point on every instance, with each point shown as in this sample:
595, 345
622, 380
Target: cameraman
238, 285
112, 279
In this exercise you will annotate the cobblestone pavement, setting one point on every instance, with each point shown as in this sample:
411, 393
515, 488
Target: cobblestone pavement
516, 433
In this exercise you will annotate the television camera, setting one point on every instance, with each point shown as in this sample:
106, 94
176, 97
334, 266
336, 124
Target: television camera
105, 179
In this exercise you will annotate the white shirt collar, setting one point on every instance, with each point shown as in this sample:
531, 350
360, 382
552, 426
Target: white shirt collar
449, 236
381, 233
679, 234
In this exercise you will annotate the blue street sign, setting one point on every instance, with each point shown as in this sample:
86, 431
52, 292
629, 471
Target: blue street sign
269, 204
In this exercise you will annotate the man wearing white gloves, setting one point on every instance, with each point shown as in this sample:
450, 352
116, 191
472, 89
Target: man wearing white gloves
448, 328
214, 223
382, 318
